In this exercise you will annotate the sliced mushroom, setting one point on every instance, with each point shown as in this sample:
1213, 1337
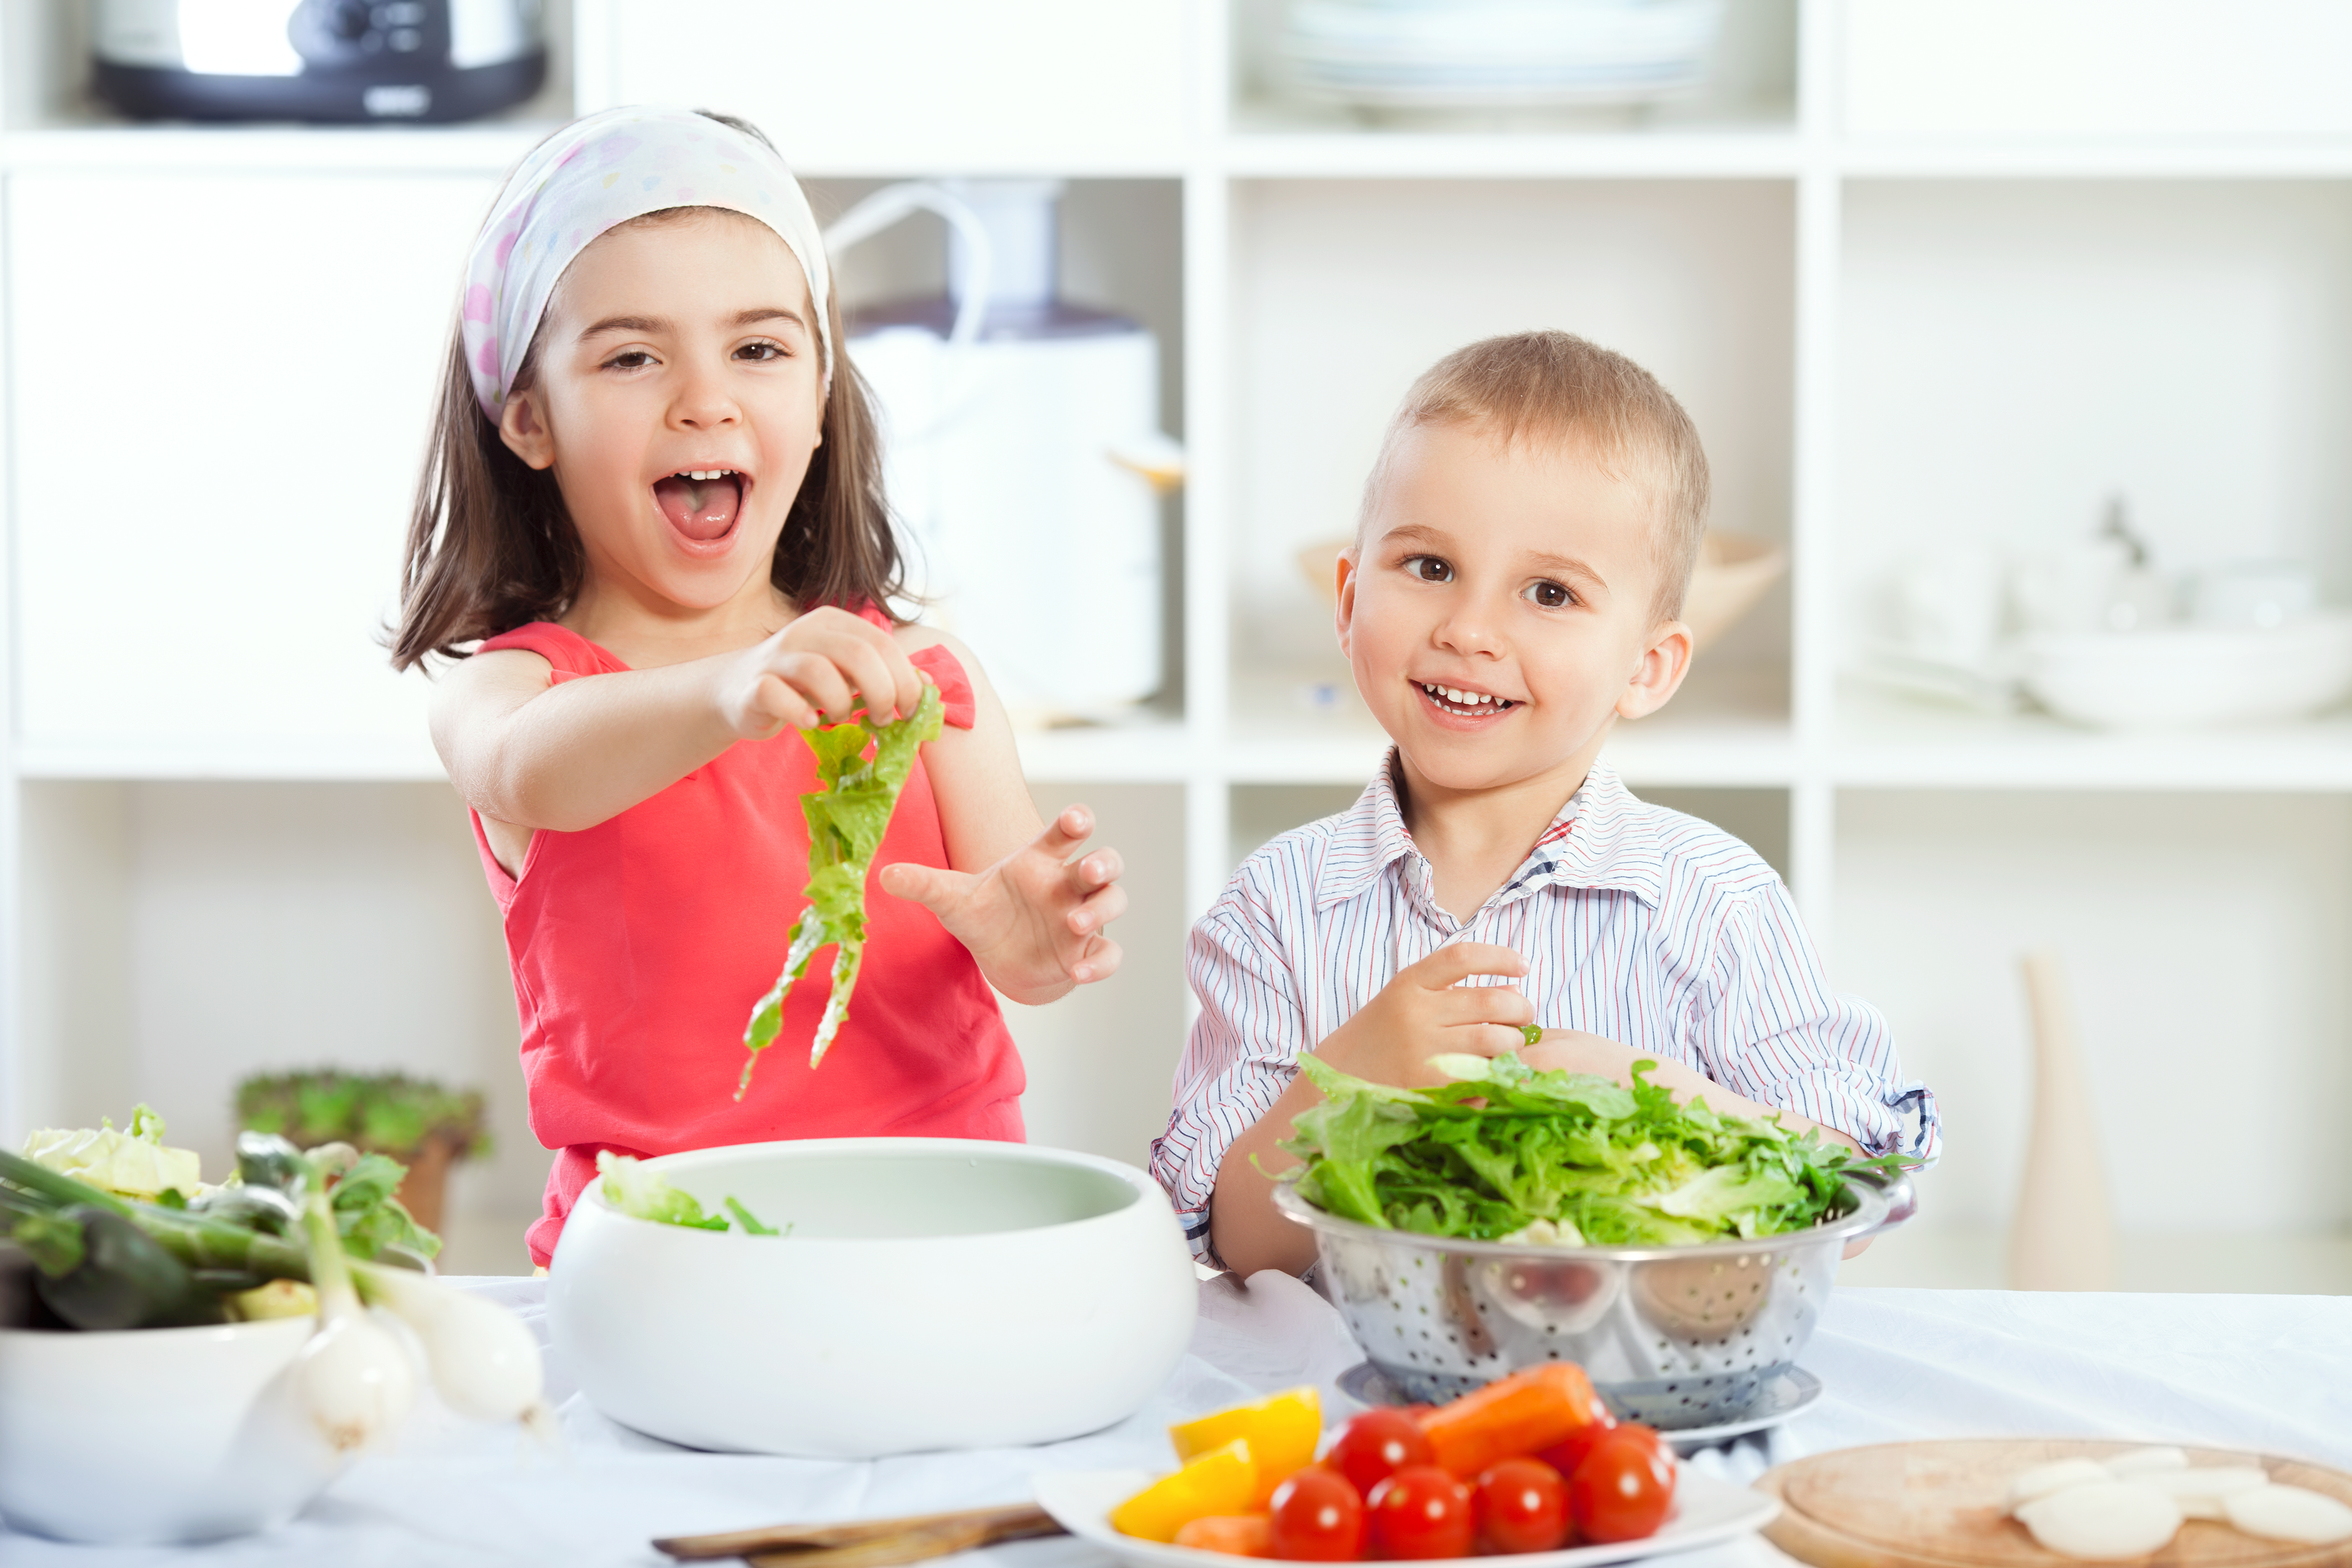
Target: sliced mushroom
2056, 1476
2103, 1519
2289, 1513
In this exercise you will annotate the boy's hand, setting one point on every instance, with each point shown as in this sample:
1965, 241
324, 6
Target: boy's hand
1034, 919
822, 668
1426, 1011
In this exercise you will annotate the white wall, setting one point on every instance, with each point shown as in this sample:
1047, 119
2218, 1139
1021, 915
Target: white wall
2205, 937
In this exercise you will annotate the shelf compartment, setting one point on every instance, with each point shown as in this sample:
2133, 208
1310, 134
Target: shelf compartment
1885, 742
920, 86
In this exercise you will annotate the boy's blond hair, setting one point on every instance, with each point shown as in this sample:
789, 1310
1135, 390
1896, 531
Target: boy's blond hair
1556, 389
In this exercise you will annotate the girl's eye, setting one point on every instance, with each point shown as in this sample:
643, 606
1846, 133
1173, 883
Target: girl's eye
1551, 595
761, 352
1429, 568
630, 359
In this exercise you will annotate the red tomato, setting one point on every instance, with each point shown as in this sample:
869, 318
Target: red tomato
1522, 1505
1568, 1453
1421, 1511
1317, 1517
1624, 1487
1376, 1445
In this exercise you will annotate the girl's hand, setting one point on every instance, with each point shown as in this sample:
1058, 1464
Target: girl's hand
1426, 1011
822, 668
1034, 919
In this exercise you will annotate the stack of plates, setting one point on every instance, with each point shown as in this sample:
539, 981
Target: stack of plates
1489, 55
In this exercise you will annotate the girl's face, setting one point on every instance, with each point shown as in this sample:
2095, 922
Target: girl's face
678, 398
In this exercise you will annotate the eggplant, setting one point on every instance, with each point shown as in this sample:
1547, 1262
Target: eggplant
99, 1272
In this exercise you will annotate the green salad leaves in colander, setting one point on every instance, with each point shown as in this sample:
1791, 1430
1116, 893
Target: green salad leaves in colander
1507, 1153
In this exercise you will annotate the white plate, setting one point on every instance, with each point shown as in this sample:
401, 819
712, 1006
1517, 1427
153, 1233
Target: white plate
1707, 1510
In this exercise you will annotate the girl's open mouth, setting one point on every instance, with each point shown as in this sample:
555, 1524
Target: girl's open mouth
1462, 703
702, 504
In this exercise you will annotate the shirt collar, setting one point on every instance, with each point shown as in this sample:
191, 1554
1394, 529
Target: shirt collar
1598, 840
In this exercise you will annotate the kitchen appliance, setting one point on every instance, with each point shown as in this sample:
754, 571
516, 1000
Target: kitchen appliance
331, 62
1671, 1336
926, 1293
1022, 452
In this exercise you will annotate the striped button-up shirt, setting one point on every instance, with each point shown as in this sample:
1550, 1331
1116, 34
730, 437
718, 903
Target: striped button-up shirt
1635, 922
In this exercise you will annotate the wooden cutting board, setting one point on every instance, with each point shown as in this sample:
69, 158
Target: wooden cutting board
1940, 1504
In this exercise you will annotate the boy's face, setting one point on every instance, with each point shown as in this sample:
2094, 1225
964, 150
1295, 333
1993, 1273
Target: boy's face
669, 350
1520, 582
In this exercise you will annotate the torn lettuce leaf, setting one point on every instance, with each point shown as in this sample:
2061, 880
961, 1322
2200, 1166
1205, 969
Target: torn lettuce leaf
642, 1193
1506, 1153
133, 1164
846, 819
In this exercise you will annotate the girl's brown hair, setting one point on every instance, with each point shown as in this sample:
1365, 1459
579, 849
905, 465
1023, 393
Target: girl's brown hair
491, 546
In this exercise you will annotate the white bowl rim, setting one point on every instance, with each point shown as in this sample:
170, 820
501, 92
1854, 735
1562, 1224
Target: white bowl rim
1141, 1187
186, 1333
2330, 625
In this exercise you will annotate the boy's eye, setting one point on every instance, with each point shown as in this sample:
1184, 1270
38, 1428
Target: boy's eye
1551, 595
1429, 568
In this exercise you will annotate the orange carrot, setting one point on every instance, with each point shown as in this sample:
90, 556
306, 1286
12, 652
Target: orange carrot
1511, 1416
1234, 1535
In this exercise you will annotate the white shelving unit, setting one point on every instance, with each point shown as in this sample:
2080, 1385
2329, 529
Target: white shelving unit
1760, 249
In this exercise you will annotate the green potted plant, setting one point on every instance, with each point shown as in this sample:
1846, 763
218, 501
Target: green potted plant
424, 1125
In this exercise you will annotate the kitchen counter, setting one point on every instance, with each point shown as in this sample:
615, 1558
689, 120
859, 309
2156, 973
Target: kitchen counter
2270, 1372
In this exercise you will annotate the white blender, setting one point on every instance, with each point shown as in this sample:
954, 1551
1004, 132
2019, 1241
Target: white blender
1022, 452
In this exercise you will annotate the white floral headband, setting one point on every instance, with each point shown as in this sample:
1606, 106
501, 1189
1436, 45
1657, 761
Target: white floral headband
595, 174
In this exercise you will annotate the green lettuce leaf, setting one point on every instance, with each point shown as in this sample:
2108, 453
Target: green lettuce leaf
846, 819
1504, 1147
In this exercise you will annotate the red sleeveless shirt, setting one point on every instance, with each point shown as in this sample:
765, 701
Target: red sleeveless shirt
639, 946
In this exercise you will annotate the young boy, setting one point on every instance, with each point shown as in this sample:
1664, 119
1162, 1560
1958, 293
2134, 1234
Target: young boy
1526, 537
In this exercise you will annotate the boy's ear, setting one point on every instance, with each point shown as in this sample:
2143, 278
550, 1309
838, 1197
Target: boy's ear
1346, 568
524, 432
1663, 664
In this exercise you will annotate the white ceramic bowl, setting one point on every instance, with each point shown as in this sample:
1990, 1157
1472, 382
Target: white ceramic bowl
2181, 676
156, 1436
931, 1293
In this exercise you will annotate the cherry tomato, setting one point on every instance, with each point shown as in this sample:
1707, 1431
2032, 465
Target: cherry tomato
1378, 1443
1624, 1487
1568, 1453
1318, 1516
1521, 1506
1421, 1511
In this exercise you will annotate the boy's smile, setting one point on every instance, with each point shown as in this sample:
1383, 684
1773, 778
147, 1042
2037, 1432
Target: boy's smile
1500, 610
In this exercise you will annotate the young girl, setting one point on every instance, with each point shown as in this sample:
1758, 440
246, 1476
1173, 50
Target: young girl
653, 504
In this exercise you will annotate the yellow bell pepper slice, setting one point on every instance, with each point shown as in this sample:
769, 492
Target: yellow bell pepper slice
1282, 1430
1222, 1480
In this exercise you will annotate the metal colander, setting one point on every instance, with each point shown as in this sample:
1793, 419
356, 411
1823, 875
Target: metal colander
1671, 1336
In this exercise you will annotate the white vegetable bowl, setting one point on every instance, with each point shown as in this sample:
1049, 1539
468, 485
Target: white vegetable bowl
2179, 676
930, 1293
151, 1437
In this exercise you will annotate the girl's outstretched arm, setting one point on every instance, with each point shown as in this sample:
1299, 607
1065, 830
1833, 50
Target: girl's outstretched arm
528, 753
1031, 915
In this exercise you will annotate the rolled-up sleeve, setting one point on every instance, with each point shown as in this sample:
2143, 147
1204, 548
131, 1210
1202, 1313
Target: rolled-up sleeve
1242, 1053
1767, 1025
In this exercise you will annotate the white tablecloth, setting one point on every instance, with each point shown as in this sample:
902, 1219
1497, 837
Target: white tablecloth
2271, 1373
